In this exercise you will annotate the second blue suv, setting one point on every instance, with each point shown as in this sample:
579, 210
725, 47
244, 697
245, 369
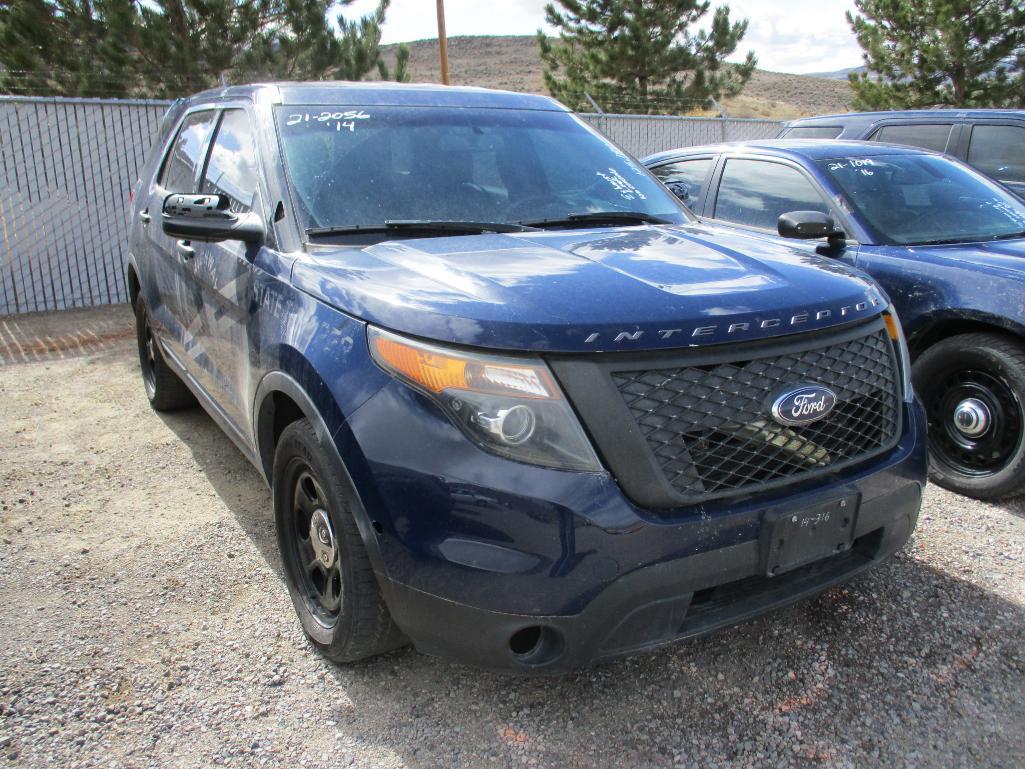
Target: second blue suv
515, 405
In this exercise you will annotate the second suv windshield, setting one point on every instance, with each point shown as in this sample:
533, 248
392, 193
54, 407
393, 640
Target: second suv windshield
924, 199
362, 169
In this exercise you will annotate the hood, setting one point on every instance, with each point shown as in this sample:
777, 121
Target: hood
630, 288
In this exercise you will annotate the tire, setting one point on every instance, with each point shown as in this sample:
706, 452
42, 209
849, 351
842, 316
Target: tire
164, 389
973, 388
332, 584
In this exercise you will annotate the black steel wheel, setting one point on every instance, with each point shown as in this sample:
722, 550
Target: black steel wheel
329, 575
164, 388
315, 545
973, 388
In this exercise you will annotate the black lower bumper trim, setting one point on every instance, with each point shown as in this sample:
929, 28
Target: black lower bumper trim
650, 607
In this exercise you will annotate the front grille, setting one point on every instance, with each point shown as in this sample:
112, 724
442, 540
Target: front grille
710, 430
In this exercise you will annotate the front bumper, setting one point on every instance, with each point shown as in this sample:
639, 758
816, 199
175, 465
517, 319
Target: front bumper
528, 570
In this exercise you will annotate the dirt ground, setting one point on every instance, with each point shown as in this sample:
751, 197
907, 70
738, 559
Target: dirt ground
144, 623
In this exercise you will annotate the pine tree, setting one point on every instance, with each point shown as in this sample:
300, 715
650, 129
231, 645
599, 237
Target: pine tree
953, 53
642, 55
169, 48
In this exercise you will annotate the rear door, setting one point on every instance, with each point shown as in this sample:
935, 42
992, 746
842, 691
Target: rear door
997, 148
178, 172
221, 275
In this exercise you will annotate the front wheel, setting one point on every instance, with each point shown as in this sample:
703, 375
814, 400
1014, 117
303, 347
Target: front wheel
327, 570
973, 388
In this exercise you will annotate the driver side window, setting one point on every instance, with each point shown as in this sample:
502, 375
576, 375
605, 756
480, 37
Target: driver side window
755, 193
232, 169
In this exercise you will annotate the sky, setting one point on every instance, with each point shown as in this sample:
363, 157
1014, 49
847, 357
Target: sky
786, 35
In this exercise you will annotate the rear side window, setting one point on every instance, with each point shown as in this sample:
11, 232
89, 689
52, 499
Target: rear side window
179, 172
233, 169
686, 176
755, 192
999, 150
930, 136
813, 132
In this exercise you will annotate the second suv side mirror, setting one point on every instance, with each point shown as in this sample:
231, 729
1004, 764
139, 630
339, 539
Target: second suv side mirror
208, 218
810, 225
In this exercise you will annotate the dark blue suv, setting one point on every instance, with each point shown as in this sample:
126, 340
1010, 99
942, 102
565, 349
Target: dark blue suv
514, 403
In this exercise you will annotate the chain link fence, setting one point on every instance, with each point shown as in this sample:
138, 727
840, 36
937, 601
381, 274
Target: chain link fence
67, 165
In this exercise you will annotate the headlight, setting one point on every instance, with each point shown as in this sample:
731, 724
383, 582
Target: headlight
896, 333
509, 406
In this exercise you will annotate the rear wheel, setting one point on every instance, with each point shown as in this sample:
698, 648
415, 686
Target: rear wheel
973, 388
332, 584
164, 389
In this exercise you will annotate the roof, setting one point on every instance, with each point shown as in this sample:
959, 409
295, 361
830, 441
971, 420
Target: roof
866, 118
811, 149
382, 93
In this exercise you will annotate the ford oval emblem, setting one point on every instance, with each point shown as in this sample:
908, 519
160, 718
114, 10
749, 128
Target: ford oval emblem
803, 405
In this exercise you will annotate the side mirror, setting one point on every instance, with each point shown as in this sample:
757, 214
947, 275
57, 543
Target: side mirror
188, 216
810, 225
680, 189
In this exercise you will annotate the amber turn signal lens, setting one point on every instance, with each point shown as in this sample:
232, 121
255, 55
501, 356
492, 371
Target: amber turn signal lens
891, 326
431, 371
437, 370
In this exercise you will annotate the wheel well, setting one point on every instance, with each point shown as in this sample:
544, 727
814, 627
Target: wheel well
277, 411
133, 285
937, 332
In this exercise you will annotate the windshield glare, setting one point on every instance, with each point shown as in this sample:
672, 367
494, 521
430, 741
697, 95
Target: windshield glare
917, 199
362, 167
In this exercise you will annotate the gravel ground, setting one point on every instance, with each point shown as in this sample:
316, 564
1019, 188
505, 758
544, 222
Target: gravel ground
144, 623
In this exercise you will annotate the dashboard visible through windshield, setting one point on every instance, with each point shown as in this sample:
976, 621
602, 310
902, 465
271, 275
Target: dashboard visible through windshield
355, 170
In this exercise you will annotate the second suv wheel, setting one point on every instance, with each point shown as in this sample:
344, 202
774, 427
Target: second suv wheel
973, 388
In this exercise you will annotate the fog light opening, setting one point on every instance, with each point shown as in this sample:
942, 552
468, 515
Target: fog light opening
536, 644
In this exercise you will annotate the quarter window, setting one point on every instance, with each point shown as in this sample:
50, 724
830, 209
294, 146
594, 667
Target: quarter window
233, 169
179, 174
756, 192
686, 176
999, 150
929, 136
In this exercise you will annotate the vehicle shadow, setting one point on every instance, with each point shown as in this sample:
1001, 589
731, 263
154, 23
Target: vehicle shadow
908, 665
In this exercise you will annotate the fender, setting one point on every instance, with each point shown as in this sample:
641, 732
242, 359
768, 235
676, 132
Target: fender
278, 381
921, 327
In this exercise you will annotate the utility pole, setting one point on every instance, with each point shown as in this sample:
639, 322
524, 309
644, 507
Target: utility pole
442, 42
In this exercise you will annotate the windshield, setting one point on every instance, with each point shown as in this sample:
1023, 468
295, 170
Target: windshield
363, 167
924, 199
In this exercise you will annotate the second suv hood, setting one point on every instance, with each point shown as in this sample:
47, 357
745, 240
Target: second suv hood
630, 288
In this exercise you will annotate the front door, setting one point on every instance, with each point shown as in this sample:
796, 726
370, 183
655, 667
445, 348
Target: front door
222, 274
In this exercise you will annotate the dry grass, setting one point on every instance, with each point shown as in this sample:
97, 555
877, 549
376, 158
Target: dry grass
513, 63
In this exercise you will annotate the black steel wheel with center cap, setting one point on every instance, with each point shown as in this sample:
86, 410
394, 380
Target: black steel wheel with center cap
164, 389
973, 388
327, 569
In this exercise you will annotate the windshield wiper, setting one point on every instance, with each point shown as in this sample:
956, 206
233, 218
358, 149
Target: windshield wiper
421, 225
1009, 236
599, 217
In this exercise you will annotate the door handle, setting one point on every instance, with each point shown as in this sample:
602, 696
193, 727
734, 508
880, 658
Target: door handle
185, 251
144, 215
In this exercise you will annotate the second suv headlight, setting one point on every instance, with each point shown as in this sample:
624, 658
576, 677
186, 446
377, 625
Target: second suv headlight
509, 406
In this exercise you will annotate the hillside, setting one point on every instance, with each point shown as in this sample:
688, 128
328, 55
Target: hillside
513, 63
